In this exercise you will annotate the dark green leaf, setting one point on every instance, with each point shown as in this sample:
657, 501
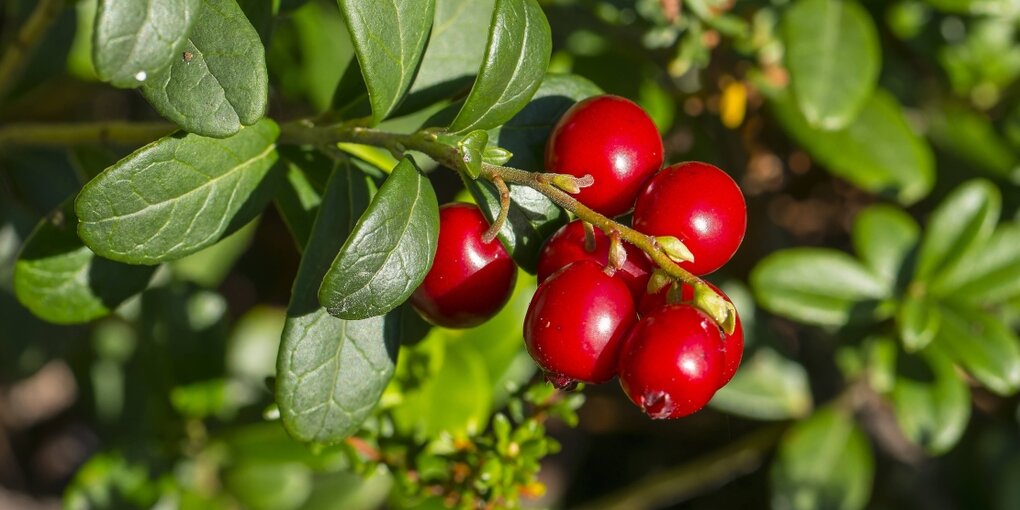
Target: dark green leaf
219, 81
389, 37
918, 320
962, 222
823, 462
516, 57
298, 200
62, 281
177, 195
817, 286
389, 251
990, 274
878, 151
135, 40
932, 401
833, 56
767, 387
884, 238
532, 218
260, 14
983, 345
972, 136
331, 372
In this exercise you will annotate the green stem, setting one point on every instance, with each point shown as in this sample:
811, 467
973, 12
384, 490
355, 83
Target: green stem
63, 135
14, 58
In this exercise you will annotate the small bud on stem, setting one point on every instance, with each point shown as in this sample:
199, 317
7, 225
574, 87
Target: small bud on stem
676, 250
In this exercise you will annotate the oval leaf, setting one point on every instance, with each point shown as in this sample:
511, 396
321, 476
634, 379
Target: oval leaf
219, 82
884, 238
516, 57
823, 462
767, 387
817, 286
177, 195
983, 345
991, 274
878, 151
134, 40
389, 251
918, 320
331, 372
961, 224
832, 53
389, 37
60, 280
932, 402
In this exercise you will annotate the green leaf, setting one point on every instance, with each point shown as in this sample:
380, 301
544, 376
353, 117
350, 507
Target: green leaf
177, 195
884, 238
331, 372
389, 251
878, 151
224, 84
60, 280
832, 53
516, 57
962, 222
972, 137
532, 218
210, 266
768, 386
932, 402
298, 200
823, 462
269, 485
918, 320
389, 37
817, 286
135, 40
990, 274
983, 345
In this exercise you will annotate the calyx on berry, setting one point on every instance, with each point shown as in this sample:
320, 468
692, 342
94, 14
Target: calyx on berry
568, 245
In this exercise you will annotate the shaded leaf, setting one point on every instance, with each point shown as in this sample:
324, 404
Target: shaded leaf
389, 251
62, 281
767, 386
972, 136
135, 40
962, 222
983, 345
210, 266
389, 37
918, 320
219, 82
885, 238
932, 402
817, 286
307, 171
516, 57
832, 53
177, 195
990, 274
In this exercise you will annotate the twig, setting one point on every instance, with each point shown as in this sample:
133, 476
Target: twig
504, 210
63, 135
14, 58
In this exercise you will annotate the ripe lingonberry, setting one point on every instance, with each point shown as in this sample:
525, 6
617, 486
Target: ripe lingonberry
567, 245
700, 205
733, 344
614, 141
672, 362
470, 279
576, 323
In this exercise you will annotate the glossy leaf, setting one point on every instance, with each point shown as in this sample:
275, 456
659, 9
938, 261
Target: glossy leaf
767, 386
389, 251
817, 286
516, 57
177, 195
833, 56
298, 199
962, 222
823, 462
989, 275
918, 320
932, 402
983, 345
60, 280
878, 151
135, 40
885, 238
219, 82
331, 372
389, 37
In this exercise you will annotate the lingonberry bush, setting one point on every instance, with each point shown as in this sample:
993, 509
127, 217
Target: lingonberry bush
293, 254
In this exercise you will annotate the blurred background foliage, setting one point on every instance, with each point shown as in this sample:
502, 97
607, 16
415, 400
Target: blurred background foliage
877, 143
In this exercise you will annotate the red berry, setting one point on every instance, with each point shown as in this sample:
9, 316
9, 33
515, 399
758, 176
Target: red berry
567, 245
576, 323
698, 204
733, 344
672, 362
470, 280
614, 141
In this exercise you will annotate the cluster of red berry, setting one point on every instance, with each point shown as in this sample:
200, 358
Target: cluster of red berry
583, 323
